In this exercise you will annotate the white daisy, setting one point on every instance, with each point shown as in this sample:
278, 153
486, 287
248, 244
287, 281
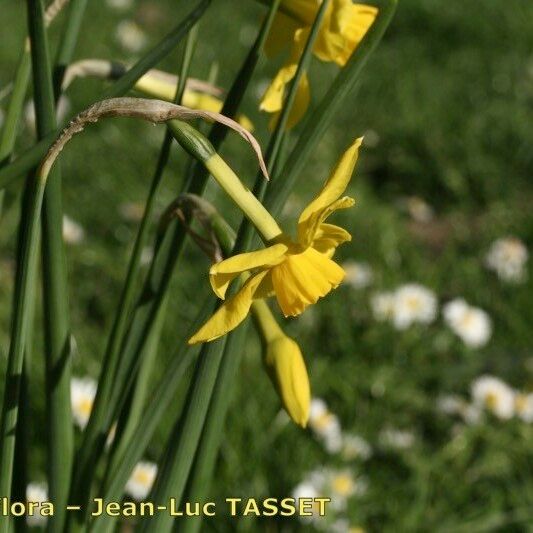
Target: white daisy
341, 485
397, 438
382, 304
310, 487
130, 36
355, 447
524, 406
471, 324
73, 233
141, 480
508, 257
494, 395
413, 303
82, 393
325, 425
358, 275
36, 493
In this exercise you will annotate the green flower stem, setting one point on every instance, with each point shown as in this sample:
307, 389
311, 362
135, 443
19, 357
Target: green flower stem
56, 313
185, 435
202, 473
199, 147
98, 425
16, 169
318, 121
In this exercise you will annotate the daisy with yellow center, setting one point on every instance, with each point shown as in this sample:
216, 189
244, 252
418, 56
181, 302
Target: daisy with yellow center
342, 29
297, 272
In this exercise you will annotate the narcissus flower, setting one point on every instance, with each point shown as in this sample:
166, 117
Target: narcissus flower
298, 272
343, 27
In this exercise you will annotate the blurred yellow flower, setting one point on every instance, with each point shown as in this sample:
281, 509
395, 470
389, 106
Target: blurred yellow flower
343, 27
158, 86
285, 364
297, 273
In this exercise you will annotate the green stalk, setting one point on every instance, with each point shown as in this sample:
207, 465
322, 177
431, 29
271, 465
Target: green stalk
16, 169
318, 121
179, 455
56, 313
130, 420
204, 465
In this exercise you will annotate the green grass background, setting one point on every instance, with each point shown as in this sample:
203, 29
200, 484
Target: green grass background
449, 97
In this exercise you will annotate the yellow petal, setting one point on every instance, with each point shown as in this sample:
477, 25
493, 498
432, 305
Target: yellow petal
343, 29
353, 20
299, 106
289, 374
329, 237
332, 190
223, 273
272, 101
231, 313
303, 278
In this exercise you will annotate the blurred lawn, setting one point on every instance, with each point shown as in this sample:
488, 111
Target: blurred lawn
447, 107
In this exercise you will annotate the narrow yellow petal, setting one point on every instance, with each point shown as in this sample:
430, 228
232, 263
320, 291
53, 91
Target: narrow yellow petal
332, 190
272, 100
328, 237
230, 314
223, 273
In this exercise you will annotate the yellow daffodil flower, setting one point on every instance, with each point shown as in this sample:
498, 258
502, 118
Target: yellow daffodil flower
343, 27
285, 365
297, 272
